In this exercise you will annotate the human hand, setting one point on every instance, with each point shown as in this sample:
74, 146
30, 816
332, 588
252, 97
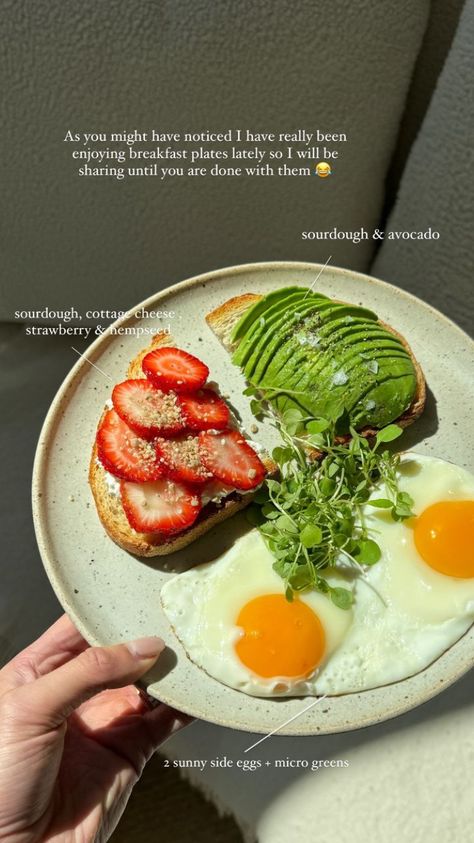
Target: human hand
70, 751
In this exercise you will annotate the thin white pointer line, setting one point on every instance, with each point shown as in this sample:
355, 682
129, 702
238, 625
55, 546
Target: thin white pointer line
319, 273
295, 716
92, 364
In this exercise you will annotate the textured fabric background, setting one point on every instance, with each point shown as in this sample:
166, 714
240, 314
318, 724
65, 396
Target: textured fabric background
442, 25
437, 190
177, 64
407, 780
338, 65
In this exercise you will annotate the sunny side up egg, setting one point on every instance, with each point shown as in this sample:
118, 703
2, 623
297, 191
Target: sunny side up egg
233, 620
419, 598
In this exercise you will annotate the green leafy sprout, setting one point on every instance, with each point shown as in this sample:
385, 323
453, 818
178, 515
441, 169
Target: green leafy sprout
312, 517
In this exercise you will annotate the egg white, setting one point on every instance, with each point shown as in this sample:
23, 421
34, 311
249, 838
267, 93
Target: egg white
203, 604
406, 614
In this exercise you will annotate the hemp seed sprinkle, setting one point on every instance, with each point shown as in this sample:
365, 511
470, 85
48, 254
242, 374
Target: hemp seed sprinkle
160, 409
184, 451
143, 449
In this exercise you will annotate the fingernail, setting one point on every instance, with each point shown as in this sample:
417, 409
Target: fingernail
146, 648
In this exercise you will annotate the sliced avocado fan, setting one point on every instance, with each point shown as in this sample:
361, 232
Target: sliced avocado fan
314, 353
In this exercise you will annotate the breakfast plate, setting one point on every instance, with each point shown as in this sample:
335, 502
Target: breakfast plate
112, 595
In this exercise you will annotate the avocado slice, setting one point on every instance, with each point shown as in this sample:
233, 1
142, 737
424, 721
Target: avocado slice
354, 373
290, 324
277, 334
349, 381
343, 359
278, 327
256, 310
340, 333
289, 361
269, 323
289, 342
334, 321
389, 402
299, 374
286, 377
348, 311
340, 327
309, 330
385, 401
368, 350
259, 324
288, 367
315, 349
331, 320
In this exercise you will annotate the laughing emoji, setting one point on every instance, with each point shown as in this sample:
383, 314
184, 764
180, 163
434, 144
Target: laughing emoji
323, 169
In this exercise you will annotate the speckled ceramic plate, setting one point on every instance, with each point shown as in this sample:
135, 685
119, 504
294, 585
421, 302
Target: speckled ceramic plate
111, 596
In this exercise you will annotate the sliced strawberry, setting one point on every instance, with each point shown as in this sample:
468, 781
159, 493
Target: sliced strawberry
125, 454
231, 459
180, 459
149, 411
215, 490
162, 506
172, 368
204, 410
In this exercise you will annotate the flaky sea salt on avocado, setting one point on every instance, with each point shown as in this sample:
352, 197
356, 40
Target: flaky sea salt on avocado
307, 351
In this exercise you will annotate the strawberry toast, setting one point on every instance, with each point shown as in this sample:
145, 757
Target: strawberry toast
168, 462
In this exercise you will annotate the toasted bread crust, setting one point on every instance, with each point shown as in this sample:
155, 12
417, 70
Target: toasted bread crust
135, 366
114, 521
223, 318
110, 509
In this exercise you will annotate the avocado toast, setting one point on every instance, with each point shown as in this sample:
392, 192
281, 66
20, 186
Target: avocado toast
304, 350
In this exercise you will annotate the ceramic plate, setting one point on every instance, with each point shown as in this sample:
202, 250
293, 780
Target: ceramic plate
112, 596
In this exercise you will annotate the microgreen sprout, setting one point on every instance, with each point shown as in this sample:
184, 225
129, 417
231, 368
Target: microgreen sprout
312, 516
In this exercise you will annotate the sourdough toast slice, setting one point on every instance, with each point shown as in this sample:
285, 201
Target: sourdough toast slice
109, 504
223, 319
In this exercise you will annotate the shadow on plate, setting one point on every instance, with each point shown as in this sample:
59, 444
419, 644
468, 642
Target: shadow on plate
425, 427
165, 664
205, 549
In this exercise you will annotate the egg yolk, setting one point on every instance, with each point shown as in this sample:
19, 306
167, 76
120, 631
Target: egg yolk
444, 537
279, 638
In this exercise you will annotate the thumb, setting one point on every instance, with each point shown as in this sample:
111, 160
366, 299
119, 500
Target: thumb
49, 700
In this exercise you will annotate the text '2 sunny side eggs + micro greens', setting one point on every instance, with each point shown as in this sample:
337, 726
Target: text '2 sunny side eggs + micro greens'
312, 517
